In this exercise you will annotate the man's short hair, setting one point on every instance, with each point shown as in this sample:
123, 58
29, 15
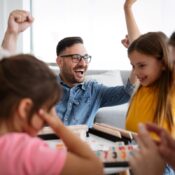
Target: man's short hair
172, 39
67, 42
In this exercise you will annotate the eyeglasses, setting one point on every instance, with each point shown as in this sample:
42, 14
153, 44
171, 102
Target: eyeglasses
76, 58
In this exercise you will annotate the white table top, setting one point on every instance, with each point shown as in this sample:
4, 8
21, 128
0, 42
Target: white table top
96, 143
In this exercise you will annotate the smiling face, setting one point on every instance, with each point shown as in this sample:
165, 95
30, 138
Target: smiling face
72, 73
147, 68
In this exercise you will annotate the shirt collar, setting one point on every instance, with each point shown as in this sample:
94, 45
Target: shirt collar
81, 85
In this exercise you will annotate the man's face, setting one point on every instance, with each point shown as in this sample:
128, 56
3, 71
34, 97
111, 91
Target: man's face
72, 72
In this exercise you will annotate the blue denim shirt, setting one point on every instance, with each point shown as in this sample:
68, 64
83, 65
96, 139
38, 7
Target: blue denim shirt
80, 103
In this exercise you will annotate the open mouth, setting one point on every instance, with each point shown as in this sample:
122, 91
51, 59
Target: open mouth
79, 74
142, 79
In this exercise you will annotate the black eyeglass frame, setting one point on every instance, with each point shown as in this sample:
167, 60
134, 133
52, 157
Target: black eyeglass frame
76, 58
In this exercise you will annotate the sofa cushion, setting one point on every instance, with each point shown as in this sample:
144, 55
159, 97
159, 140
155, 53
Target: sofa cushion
109, 78
114, 116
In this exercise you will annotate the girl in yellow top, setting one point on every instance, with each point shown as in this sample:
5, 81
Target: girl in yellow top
154, 100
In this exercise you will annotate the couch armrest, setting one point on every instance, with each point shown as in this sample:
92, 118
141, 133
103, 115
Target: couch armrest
125, 75
114, 116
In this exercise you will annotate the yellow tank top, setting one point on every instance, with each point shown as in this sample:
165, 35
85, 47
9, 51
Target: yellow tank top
142, 109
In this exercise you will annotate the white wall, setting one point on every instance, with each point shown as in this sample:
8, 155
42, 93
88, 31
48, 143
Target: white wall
100, 23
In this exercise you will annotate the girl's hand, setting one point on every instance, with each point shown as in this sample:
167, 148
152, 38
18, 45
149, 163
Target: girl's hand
125, 41
51, 119
129, 3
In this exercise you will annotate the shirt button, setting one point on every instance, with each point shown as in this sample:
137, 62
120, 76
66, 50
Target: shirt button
65, 119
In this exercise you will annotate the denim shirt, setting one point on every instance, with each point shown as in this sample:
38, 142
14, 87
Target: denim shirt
79, 104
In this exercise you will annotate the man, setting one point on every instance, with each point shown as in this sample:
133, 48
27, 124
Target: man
81, 99
19, 21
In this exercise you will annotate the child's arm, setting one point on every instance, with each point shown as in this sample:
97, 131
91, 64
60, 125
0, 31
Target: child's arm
132, 27
133, 31
80, 159
19, 20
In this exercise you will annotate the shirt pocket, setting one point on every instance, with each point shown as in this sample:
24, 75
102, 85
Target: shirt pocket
84, 99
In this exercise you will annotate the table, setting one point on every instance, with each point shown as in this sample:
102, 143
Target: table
96, 142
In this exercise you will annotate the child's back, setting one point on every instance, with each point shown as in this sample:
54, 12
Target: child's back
22, 154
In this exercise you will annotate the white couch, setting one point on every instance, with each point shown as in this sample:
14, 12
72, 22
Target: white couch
114, 116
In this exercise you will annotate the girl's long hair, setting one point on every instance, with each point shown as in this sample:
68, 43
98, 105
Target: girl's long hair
155, 44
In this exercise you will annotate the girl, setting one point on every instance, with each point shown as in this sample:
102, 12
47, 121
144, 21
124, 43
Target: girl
154, 100
28, 92
160, 111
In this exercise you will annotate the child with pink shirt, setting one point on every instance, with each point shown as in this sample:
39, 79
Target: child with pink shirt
28, 93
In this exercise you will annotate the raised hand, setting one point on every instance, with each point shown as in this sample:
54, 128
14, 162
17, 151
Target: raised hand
125, 41
19, 20
132, 27
129, 3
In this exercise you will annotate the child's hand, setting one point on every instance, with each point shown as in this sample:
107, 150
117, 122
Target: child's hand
129, 3
166, 144
147, 160
125, 41
51, 119
19, 20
